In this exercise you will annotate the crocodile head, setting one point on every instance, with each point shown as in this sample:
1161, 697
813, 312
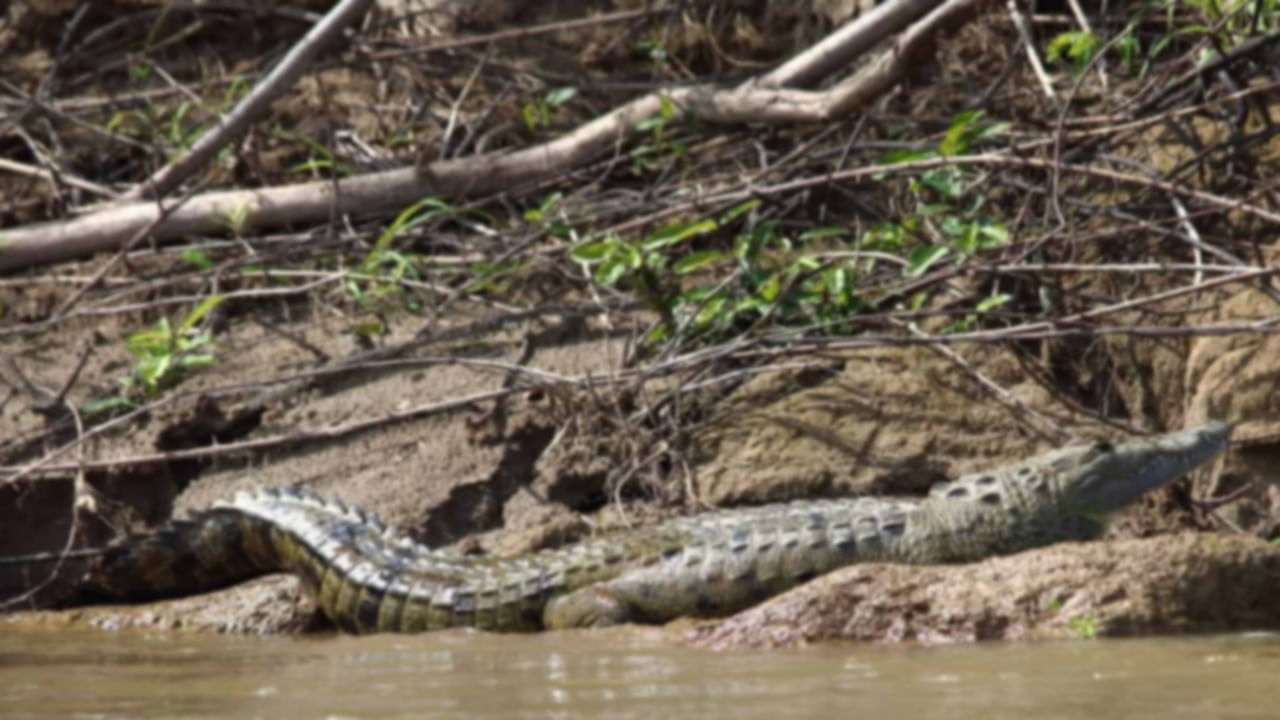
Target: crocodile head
1103, 478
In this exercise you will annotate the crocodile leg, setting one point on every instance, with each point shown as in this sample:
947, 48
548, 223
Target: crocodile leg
592, 606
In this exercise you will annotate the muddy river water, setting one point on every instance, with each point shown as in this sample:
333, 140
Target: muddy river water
629, 674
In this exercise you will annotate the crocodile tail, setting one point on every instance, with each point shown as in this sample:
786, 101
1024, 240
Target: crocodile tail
365, 577
210, 551
258, 533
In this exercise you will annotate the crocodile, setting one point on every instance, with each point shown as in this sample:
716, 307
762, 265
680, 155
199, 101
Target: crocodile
368, 578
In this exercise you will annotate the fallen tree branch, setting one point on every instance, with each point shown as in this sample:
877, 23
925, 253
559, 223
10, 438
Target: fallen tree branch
484, 174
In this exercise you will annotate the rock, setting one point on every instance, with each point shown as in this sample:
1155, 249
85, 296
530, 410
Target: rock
1172, 584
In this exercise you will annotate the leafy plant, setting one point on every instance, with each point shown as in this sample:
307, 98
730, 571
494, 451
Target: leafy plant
235, 217
944, 209
770, 275
654, 48
1230, 22
197, 259
1078, 46
549, 215
162, 354
537, 113
702, 289
659, 146
1085, 627
320, 157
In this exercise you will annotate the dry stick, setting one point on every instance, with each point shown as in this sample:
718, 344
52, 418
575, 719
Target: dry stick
258, 293
1028, 331
456, 108
162, 212
1004, 335
1001, 395
421, 339
58, 107
848, 43
1019, 22
1055, 182
266, 443
1126, 268
1088, 29
521, 33
81, 495
493, 172
75, 182
735, 196
1254, 44
1040, 376
297, 60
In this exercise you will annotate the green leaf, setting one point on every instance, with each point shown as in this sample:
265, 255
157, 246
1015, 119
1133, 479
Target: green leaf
739, 210
838, 280
922, 258
994, 301
194, 361
885, 236
369, 328
560, 96
805, 263
630, 256
1058, 47
694, 261
944, 181
116, 120
771, 287
320, 164
197, 259
657, 334
175, 123
956, 139
1079, 46
593, 251
655, 122
146, 343
666, 107
672, 234
408, 218
902, 156
544, 209
154, 369
967, 241
103, 404
953, 225
711, 310
196, 315
992, 130
822, 233
610, 270
993, 235
930, 209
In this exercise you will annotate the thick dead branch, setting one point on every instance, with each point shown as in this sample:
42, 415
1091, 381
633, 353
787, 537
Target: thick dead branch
485, 174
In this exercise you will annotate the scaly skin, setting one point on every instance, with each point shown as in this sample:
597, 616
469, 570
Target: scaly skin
367, 578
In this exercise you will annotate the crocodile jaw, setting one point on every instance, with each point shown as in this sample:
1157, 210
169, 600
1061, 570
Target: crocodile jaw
1103, 479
